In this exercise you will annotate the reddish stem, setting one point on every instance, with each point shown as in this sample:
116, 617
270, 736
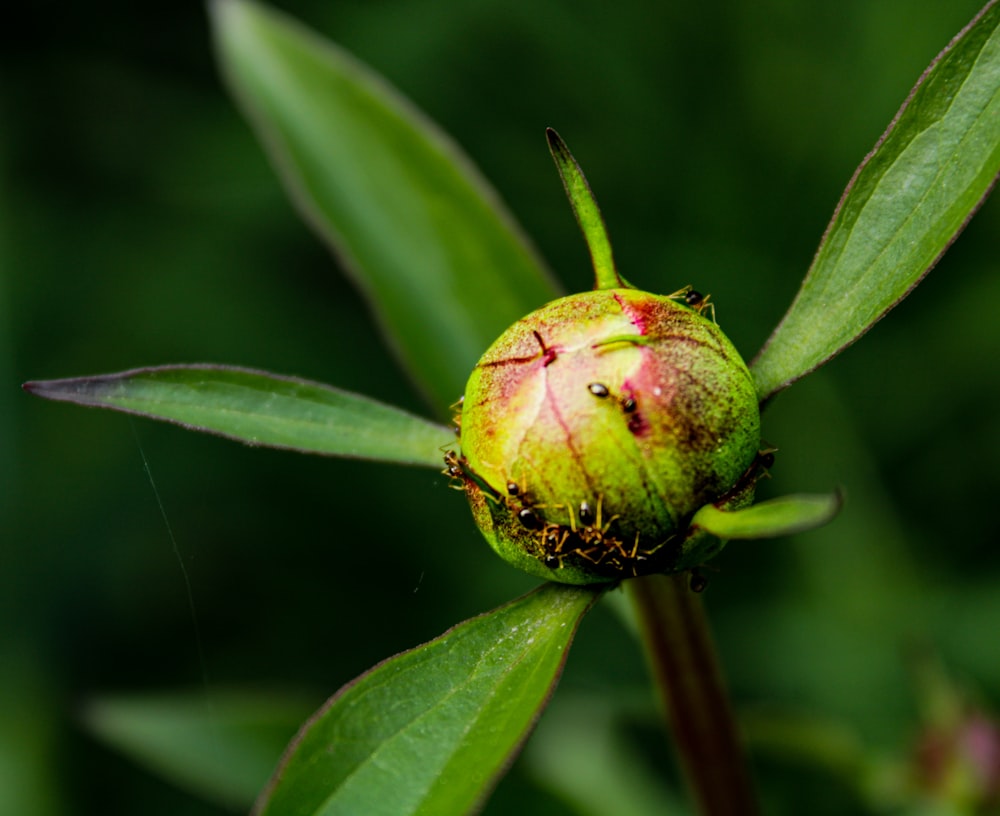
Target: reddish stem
682, 657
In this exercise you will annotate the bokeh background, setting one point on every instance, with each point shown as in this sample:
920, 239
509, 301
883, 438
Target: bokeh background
141, 224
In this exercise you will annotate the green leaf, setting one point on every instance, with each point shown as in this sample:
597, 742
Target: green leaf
808, 739
592, 731
777, 517
904, 206
261, 409
423, 236
588, 214
222, 746
431, 730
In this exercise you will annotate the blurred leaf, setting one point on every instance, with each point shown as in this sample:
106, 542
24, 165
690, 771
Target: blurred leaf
432, 729
222, 746
261, 409
421, 233
907, 202
30, 778
804, 737
582, 754
776, 517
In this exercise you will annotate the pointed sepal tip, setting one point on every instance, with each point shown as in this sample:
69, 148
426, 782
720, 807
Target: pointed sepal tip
588, 214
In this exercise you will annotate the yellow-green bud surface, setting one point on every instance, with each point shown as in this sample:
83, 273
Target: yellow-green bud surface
594, 428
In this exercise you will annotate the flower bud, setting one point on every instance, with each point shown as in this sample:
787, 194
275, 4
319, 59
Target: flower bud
594, 428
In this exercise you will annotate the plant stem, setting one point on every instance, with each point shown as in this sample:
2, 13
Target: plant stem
683, 661
588, 215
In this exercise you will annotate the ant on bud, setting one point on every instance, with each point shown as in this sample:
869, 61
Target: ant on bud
696, 300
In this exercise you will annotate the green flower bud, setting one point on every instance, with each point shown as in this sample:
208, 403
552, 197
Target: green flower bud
594, 428
616, 433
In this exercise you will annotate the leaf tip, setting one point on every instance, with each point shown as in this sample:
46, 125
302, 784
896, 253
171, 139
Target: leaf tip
556, 144
81, 390
587, 213
47, 389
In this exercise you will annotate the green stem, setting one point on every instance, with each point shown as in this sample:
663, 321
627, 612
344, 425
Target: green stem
587, 213
683, 661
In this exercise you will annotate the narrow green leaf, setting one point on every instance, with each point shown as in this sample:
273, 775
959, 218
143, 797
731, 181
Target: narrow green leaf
769, 519
424, 237
261, 409
431, 730
588, 214
222, 747
904, 206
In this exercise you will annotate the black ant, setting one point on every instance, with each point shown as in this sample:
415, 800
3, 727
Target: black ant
696, 300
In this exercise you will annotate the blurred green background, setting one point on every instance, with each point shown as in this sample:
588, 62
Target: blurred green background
140, 224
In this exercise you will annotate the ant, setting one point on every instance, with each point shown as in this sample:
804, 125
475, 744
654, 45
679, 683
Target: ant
696, 300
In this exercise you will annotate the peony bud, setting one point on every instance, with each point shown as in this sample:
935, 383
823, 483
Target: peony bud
616, 433
594, 428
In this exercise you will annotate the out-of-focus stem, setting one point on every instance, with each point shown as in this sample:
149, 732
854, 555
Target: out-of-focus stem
683, 661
